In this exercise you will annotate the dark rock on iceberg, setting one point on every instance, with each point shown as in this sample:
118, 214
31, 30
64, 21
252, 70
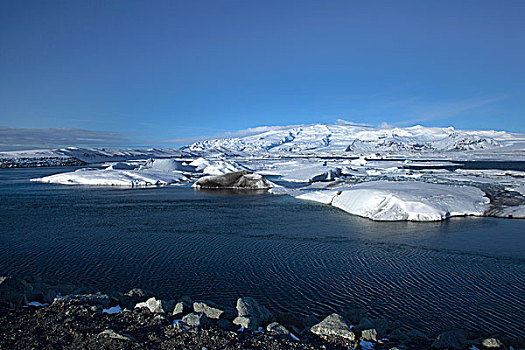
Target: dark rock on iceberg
237, 180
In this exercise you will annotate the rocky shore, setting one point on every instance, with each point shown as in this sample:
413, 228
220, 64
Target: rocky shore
40, 314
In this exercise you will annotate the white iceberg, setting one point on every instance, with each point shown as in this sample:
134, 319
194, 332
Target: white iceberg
169, 164
215, 167
404, 200
114, 177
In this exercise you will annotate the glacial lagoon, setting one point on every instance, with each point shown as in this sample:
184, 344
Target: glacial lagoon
292, 255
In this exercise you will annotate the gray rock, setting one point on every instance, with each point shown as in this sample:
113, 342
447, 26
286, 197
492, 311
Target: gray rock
157, 305
492, 343
130, 299
247, 322
248, 307
195, 319
240, 179
12, 292
160, 319
277, 329
181, 308
40, 291
369, 335
209, 310
333, 325
450, 340
114, 335
382, 326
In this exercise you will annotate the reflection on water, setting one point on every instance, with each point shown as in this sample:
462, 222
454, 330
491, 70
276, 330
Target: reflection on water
292, 255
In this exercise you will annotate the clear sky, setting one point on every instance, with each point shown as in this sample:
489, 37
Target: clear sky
157, 70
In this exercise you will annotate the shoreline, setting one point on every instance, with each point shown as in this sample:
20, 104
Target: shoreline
44, 314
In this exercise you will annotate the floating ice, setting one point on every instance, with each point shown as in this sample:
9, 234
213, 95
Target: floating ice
112, 310
36, 304
112, 177
404, 200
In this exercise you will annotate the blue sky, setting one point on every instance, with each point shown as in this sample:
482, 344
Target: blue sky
159, 70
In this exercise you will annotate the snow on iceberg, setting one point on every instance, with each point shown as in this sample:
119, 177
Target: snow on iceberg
114, 177
215, 167
168, 165
238, 180
404, 200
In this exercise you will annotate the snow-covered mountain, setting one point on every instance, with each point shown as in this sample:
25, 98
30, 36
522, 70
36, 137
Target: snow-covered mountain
80, 156
351, 139
340, 139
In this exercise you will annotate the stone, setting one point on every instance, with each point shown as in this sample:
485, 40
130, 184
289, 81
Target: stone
209, 310
492, 343
277, 329
12, 292
41, 291
248, 307
382, 326
129, 299
181, 308
248, 323
195, 319
334, 325
450, 340
157, 305
369, 335
114, 335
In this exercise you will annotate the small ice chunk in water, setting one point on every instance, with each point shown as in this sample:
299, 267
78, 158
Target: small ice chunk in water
112, 310
36, 304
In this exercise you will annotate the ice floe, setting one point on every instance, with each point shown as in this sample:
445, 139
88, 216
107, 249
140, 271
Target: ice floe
113, 177
215, 167
403, 200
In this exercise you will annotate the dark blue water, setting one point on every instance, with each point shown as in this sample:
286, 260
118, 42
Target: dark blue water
292, 255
